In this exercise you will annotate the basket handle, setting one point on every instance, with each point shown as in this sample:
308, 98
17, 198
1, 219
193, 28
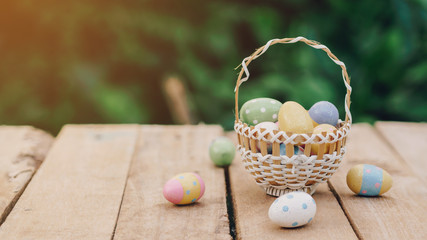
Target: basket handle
310, 43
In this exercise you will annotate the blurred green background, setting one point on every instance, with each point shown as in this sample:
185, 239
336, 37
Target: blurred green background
104, 61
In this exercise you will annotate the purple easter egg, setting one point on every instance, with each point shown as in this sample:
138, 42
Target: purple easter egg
324, 112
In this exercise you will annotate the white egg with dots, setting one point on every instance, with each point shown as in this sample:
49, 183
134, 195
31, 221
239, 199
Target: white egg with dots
292, 210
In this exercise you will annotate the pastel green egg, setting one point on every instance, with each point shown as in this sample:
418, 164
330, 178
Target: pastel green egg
294, 118
260, 110
221, 151
368, 180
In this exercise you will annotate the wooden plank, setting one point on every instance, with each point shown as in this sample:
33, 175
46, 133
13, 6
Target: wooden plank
251, 206
77, 192
398, 214
163, 152
409, 140
22, 149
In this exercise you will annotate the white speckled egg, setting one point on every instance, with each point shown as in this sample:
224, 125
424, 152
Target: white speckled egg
269, 126
292, 210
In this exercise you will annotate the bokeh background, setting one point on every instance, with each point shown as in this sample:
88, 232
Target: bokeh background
103, 61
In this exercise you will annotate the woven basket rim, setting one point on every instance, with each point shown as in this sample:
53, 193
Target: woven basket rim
272, 136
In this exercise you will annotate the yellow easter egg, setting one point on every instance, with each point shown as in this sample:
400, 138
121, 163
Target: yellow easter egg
294, 118
387, 182
354, 178
317, 130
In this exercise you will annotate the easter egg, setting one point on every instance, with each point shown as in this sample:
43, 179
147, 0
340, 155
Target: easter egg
268, 126
324, 112
221, 151
317, 130
292, 210
315, 124
294, 118
259, 110
297, 150
368, 180
184, 188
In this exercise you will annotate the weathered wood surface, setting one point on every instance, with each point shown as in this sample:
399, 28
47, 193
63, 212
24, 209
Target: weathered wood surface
410, 142
251, 206
163, 152
22, 149
77, 192
400, 213
105, 182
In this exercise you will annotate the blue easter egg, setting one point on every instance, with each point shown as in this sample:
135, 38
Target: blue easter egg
324, 112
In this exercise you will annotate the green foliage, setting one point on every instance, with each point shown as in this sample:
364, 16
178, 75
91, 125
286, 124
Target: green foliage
103, 62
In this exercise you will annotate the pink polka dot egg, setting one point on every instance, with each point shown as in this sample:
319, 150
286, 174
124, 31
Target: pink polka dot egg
184, 188
368, 180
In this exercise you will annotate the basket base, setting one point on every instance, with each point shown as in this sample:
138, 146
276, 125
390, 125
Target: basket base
275, 192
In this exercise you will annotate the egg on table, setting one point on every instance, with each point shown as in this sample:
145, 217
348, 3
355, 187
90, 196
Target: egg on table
368, 180
292, 210
222, 151
184, 188
259, 110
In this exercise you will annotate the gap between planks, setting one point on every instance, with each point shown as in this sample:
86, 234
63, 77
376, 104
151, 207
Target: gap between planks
124, 190
22, 150
230, 204
340, 202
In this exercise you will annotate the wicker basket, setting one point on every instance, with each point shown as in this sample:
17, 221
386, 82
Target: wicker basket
281, 174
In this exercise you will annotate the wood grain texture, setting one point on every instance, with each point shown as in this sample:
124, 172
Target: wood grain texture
163, 152
410, 141
22, 149
251, 205
76, 193
398, 214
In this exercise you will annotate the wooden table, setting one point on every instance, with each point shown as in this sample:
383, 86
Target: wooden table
105, 182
